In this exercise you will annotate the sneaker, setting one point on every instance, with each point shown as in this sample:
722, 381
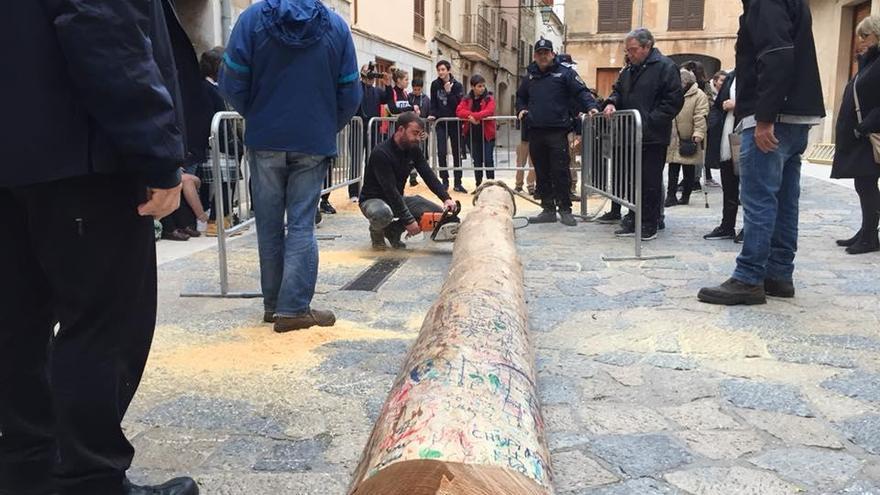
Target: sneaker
315, 317
546, 216
460, 189
177, 486
732, 293
518, 189
609, 218
739, 237
649, 233
327, 208
719, 234
712, 183
567, 219
778, 288
626, 231
354, 199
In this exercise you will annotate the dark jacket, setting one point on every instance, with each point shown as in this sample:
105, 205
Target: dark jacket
291, 70
397, 100
486, 109
445, 104
371, 103
94, 93
853, 156
776, 61
423, 102
654, 89
551, 96
717, 116
387, 171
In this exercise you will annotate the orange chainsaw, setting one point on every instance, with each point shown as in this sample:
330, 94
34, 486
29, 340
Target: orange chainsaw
443, 226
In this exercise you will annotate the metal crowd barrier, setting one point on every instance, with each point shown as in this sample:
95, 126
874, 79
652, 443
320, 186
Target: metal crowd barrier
230, 175
611, 166
382, 128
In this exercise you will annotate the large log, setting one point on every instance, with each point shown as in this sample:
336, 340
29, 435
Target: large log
463, 416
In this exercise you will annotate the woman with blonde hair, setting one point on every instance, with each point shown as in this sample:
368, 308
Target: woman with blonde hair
859, 116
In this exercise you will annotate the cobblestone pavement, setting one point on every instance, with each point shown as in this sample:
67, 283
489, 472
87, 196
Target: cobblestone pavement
645, 390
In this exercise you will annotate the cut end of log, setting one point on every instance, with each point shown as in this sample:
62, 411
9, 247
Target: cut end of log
429, 477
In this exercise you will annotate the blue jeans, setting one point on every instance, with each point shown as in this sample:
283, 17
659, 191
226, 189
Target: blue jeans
285, 182
769, 191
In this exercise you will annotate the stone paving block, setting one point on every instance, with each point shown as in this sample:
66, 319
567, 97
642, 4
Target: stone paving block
640, 486
864, 431
618, 418
554, 389
175, 449
640, 455
722, 445
274, 483
730, 481
765, 396
810, 355
574, 471
794, 430
819, 469
861, 488
667, 343
620, 358
700, 415
564, 440
851, 342
857, 384
237, 452
630, 376
211, 414
298, 456
671, 361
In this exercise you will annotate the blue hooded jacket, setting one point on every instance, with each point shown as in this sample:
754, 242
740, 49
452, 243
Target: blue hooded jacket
291, 70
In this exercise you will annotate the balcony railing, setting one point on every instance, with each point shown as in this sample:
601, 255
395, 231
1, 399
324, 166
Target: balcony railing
477, 31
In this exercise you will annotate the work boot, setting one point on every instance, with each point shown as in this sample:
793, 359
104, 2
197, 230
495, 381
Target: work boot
546, 216
851, 241
177, 486
327, 208
778, 288
567, 219
377, 240
609, 218
393, 233
733, 292
314, 317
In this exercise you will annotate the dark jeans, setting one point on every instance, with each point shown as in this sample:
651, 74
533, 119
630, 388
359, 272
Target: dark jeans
449, 131
869, 198
690, 173
549, 151
653, 161
483, 155
81, 257
730, 193
381, 216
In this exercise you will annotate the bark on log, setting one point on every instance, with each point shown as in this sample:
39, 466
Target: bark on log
463, 415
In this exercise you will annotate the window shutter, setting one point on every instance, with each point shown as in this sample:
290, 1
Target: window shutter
695, 14
624, 15
419, 17
677, 15
607, 16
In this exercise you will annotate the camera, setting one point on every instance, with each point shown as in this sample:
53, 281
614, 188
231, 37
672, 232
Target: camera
372, 73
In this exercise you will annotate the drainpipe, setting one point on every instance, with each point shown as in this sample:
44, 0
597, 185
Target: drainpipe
641, 13
225, 20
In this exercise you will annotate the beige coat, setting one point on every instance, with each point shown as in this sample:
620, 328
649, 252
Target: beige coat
691, 122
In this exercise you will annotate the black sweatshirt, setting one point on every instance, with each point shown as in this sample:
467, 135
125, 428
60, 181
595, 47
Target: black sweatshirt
387, 171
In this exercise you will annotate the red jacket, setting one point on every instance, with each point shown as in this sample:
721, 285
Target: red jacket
487, 109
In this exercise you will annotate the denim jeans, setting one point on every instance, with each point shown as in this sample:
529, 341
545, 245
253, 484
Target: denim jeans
483, 155
381, 216
769, 192
286, 182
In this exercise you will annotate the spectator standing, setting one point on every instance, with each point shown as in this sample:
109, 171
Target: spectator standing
685, 152
418, 100
545, 100
370, 107
854, 156
722, 123
446, 94
779, 96
650, 84
83, 178
290, 62
474, 109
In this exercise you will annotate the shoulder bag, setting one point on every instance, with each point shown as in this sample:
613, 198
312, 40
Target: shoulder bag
874, 137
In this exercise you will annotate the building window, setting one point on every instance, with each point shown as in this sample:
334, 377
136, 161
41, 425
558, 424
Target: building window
615, 16
686, 15
419, 17
502, 32
446, 16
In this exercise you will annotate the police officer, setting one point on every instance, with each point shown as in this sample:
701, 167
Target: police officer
545, 99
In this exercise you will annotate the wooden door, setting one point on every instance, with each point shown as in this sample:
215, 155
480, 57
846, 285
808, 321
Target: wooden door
605, 79
860, 12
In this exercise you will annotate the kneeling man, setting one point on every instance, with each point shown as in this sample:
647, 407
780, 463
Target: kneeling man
385, 176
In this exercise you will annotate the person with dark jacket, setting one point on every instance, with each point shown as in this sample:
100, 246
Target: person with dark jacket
446, 94
779, 96
548, 99
722, 122
382, 198
92, 158
370, 107
419, 100
854, 155
291, 70
474, 109
650, 84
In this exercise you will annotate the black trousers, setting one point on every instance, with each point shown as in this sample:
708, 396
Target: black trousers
730, 194
549, 151
690, 174
869, 198
182, 217
449, 132
83, 258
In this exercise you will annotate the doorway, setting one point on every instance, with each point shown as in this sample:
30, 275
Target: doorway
605, 79
859, 12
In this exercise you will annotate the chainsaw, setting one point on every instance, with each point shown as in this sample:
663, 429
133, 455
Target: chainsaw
443, 226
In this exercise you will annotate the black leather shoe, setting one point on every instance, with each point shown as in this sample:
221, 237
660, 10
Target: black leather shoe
609, 218
863, 247
327, 208
177, 486
778, 288
567, 219
849, 242
546, 216
719, 234
393, 235
733, 292
671, 201
175, 235
460, 189
268, 317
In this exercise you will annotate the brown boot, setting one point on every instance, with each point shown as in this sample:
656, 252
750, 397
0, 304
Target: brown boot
314, 317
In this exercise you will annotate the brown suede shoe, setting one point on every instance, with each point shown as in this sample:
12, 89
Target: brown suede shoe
315, 317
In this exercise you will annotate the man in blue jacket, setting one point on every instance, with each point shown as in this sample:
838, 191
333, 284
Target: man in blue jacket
92, 154
291, 70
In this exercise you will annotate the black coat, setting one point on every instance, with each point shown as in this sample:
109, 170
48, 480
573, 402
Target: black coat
96, 91
553, 98
853, 156
443, 104
654, 89
717, 116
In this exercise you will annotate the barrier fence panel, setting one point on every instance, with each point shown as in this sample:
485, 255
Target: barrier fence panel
228, 174
611, 166
382, 128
